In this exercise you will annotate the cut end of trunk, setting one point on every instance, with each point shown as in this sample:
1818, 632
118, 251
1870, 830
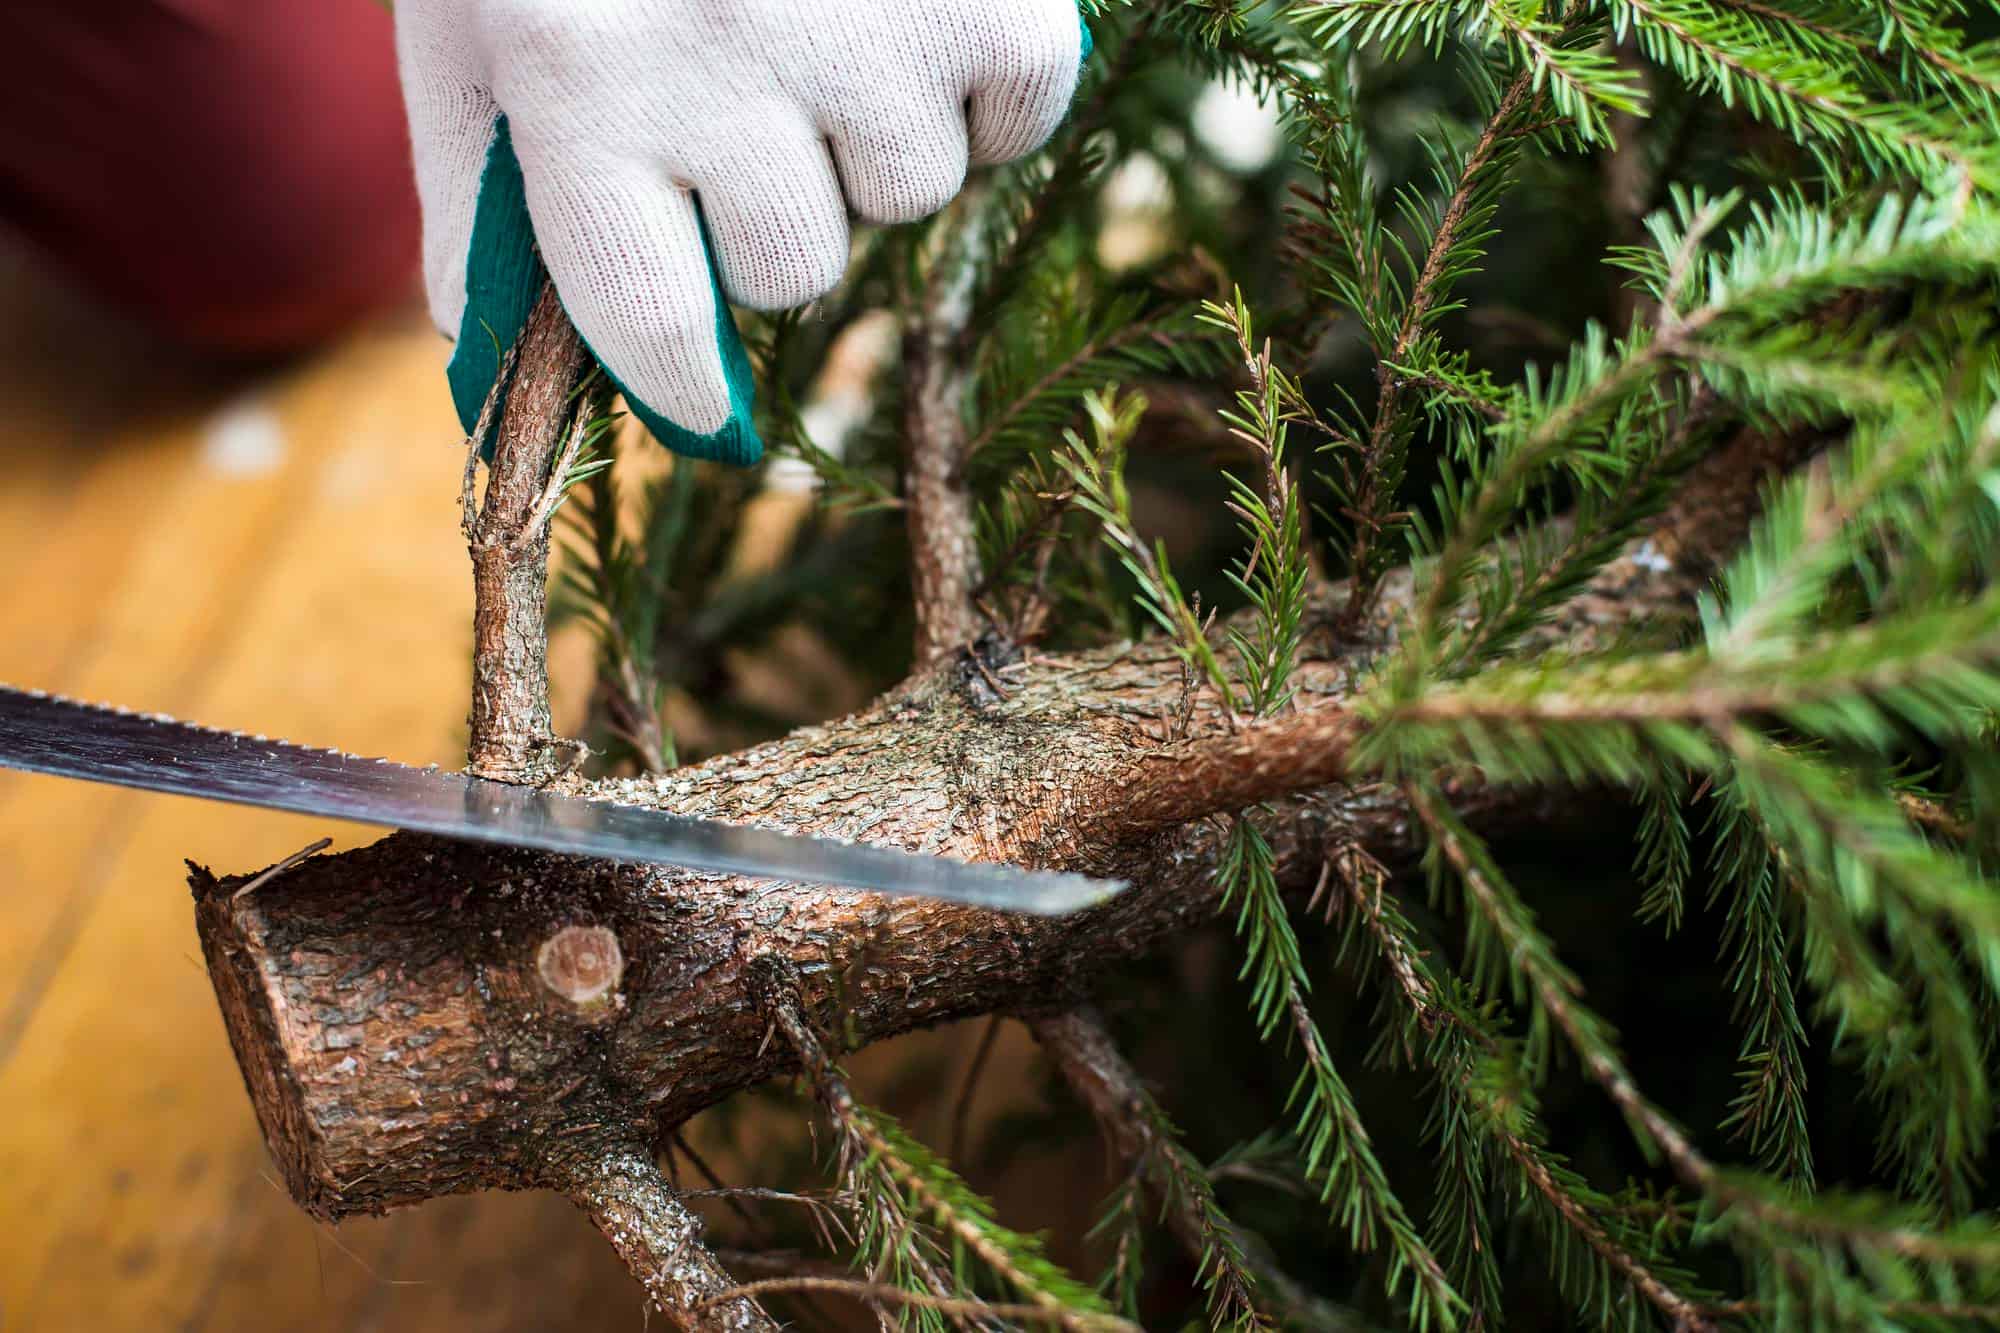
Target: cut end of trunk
397, 1029
252, 1020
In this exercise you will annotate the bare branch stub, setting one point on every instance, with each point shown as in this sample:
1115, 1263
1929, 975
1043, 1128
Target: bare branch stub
513, 736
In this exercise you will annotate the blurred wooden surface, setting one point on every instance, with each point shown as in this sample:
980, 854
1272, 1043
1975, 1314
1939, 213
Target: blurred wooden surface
279, 553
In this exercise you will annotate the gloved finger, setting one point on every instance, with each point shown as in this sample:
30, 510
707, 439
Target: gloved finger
1024, 79
900, 169
777, 221
627, 250
452, 130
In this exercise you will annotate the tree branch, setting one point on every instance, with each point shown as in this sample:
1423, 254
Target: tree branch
1358, 886
867, 1147
1090, 1062
623, 1192
876, 1293
1380, 468
1214, 774
513, 736
944, 547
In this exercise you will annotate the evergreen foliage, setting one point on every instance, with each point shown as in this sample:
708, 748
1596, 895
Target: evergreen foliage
1516, 270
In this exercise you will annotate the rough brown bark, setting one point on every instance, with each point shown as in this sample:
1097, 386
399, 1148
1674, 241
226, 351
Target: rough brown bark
513, 737
399, 1041
420, 1017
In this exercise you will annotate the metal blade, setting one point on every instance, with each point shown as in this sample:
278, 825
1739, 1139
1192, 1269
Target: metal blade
41, 733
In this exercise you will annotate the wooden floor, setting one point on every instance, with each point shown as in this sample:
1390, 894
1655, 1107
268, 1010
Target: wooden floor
280, 555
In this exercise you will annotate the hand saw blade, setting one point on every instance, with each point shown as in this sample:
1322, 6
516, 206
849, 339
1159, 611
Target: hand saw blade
42, 733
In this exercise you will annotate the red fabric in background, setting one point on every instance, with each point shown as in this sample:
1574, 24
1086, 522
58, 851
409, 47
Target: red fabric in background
234, 172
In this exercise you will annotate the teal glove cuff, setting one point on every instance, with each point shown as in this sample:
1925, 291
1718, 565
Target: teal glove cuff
503, 276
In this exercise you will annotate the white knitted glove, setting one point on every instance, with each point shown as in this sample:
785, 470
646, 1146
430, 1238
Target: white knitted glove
777, 116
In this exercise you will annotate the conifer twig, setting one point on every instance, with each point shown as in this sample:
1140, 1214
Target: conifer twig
1139, 1133
1361, 889
1594, 1050
482, 431
902, 1248
1556, 994
962, 1308
1060, 1301
582, 423
1789, 93
1262, 758
1091, 350
1380, 471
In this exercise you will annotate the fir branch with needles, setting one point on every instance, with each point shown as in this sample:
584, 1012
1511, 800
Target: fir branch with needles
903, 1187
1333, 1142
1326, 480
1486, 1119
1160, 1170
1097, 470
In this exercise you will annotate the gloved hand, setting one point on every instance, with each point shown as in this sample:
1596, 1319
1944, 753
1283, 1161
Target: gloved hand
668, 155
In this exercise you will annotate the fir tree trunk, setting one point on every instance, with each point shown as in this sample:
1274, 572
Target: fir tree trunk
420, 1017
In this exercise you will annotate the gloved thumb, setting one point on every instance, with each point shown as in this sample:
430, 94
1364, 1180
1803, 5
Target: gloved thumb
644, 297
